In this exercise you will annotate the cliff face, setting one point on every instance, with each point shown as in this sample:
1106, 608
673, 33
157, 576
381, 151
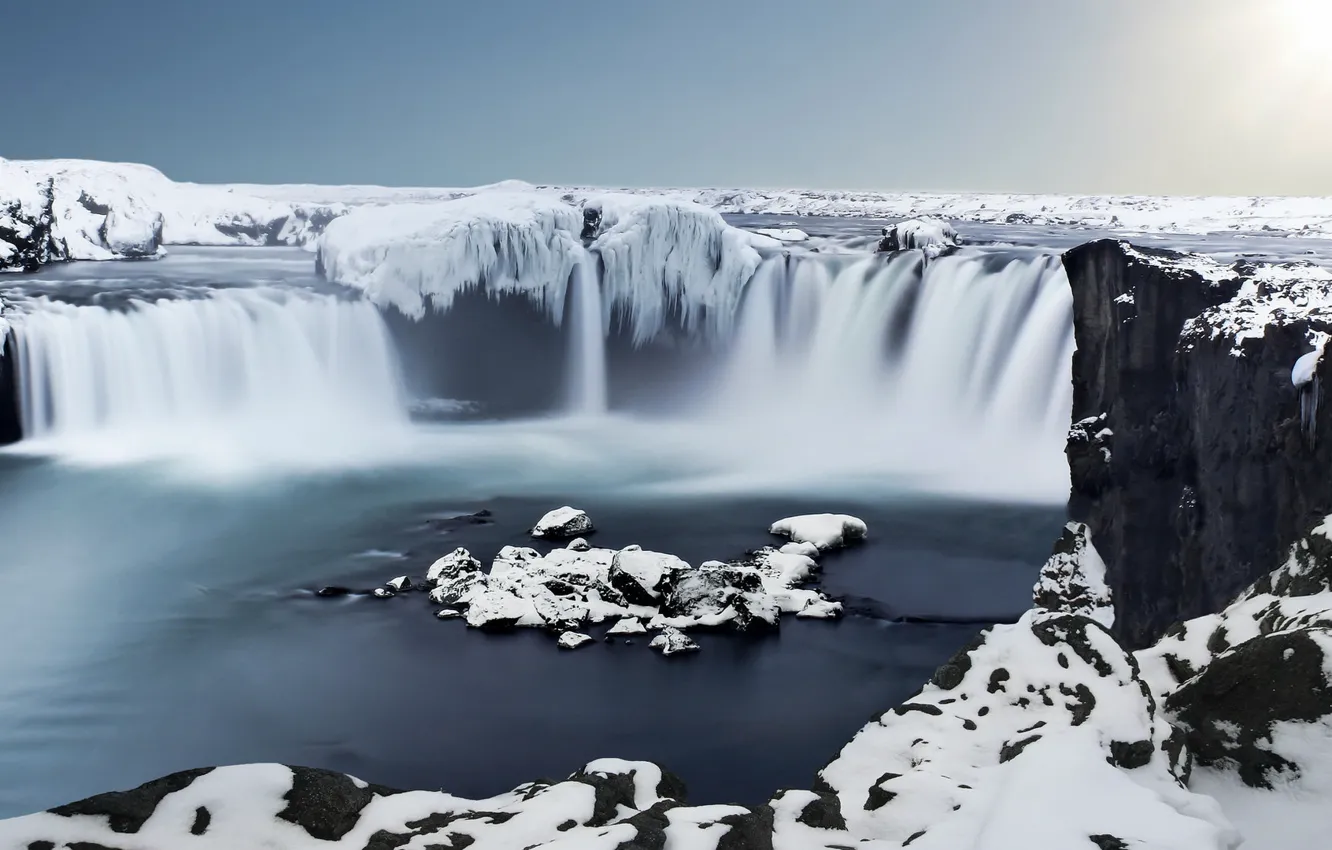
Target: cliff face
1190, 459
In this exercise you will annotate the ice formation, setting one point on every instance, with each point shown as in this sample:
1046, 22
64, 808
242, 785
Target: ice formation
655, 254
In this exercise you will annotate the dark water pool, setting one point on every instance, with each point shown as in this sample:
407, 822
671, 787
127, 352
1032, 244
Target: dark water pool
154, 623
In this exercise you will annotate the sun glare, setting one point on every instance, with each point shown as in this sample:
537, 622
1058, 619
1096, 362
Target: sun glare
1306, 30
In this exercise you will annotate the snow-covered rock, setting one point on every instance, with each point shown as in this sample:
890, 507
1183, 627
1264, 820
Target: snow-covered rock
638, 574
824, 531
628, 626
563, 523
382, 593
932, 236
573, 640
1073, 579
986, 754
399, 584
497, 609
672, 641
578, 544
86, 210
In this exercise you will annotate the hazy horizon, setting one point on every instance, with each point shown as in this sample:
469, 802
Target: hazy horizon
1189, 97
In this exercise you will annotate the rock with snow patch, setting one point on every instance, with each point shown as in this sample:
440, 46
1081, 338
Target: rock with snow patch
672, 641
824, 531
455, 563
563, 523
578, 544
383, 593
573, 640
628, 626
638, 574
1073, 579
400, 584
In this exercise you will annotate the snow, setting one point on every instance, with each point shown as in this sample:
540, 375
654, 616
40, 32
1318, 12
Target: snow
1269, 296
106, 210
656, 253
1073, 579
672, 641
573, 640
929, 235
1303, 371
563, 523
1307, 216
824, 531
628, 626
783, 234
411, 256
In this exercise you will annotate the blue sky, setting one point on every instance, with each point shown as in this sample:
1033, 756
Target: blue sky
1159, 96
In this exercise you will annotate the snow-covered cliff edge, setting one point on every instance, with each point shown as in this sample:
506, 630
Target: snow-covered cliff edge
58, 210
656, 255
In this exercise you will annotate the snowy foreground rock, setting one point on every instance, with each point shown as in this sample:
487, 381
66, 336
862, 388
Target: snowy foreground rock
569, 589
1040, 734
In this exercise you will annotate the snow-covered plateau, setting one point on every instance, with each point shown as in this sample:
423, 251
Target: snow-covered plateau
54, 210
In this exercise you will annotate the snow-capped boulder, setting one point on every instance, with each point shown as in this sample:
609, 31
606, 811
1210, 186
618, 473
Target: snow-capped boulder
496, 610
1073, 579
399, 584
382, 593
459, 589
932, 236
573, 640
448, 614
628, 626
638, 574
563, 523
824, 531
452, 565
578, 544
672, 641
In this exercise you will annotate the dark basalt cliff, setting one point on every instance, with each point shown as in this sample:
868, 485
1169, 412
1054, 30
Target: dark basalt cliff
1189, 458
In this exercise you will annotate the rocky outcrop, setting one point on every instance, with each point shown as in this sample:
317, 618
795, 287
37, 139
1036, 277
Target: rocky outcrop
27, 234
1190, 462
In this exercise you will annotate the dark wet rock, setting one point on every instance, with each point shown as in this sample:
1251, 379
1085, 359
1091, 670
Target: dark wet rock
1230, 709
127, 811
325, 804
1208, 474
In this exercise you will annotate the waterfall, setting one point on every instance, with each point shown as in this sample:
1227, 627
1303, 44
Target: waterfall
237, 368
587, 340
964, 362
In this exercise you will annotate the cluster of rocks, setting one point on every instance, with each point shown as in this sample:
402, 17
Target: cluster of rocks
568, 589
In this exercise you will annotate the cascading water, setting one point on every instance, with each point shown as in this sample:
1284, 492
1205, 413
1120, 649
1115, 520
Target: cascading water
587, 362
894, 363
237, 371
